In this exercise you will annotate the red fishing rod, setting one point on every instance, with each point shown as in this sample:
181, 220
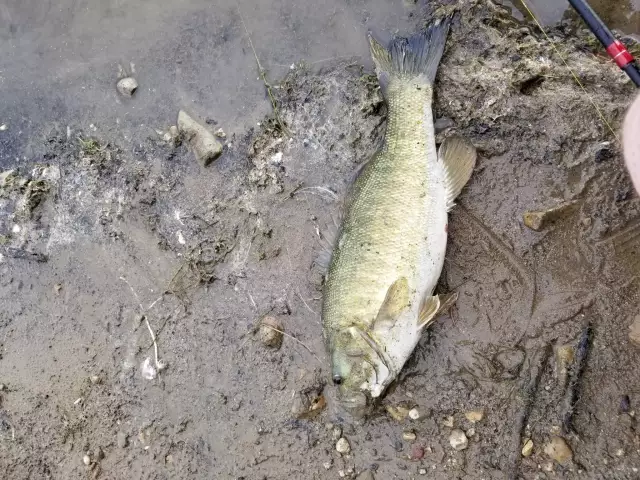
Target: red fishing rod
614, 47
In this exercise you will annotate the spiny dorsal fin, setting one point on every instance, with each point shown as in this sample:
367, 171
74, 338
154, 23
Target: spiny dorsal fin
396, 301
458, 157
432, 306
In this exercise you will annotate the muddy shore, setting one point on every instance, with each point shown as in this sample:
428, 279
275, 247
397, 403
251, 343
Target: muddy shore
105, 241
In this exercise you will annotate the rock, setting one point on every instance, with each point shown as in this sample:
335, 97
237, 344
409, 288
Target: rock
565, 354
127, 86
337, 433
366, 475
458, 440
625, 403
422, 471
271, 332
86, 460
538, 220
300, 405
443, 123
122, 440
98, 454
604, 153
558, 450
220, 133
527, 449
342, 446
448, 422
409, 435
474, 416
634, 331
470, 432
414, 414
398, 413
202, 142
2, 387
417, 453
95, 379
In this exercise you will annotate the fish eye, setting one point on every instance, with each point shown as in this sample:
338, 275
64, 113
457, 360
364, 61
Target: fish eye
337, 380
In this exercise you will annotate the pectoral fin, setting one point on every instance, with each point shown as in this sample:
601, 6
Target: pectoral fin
458, 156
396, 301
432, 306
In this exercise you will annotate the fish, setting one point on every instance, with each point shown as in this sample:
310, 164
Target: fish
389, 250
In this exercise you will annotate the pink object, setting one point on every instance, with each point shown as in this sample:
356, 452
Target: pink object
631, 142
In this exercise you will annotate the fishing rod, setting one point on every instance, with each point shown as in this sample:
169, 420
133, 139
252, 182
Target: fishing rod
616, 50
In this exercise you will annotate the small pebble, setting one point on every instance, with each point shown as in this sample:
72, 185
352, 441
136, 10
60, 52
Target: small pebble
422, 471
86, 460
342, 446
398, 413
414, 414
127, 86
337, 433
122, 440
634, 331
471, 432
95, 379
625, 403
558, 450
417, 452
448, 422
2, 387
475, 416
220, 133
603, 154
3, 127
271, 332
98, 453
458, 440
409, 435
527, 449
327, 465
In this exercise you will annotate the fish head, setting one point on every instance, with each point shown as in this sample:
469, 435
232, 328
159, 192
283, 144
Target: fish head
359, 369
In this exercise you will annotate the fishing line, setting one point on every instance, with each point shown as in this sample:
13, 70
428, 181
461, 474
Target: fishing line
555, 48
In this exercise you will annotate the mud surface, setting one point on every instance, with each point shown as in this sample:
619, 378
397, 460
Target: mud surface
109, 232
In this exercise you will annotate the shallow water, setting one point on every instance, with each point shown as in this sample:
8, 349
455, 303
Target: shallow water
620, 14
59, 59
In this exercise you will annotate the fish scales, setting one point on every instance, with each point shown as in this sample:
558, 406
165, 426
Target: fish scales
389, 253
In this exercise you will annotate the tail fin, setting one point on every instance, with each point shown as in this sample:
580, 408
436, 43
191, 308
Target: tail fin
415, 56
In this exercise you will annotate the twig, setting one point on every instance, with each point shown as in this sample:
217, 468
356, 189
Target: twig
572, 394
159, 365
292, 337
263, 77
528, 397
305, 303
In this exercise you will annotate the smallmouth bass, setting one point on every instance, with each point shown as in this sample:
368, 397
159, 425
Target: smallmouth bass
389, 252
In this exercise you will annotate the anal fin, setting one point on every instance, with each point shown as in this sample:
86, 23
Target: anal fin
458, 157
432, 306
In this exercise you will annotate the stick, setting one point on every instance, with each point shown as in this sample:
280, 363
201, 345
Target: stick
572, 394
528, 397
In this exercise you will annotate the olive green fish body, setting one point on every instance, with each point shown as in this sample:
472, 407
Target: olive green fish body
391, 246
